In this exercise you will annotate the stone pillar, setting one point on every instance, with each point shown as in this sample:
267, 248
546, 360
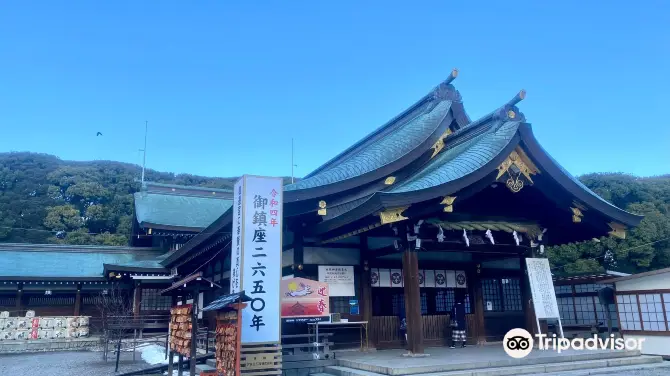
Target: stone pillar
410, 268
77, 301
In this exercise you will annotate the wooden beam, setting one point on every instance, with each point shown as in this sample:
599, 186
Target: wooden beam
137, 299
410, 269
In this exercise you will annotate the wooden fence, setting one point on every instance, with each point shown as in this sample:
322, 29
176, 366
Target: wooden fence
385, 330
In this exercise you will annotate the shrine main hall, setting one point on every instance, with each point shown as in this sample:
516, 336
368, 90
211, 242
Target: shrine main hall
430, 206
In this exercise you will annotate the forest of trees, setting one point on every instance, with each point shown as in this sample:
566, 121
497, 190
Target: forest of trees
47, 200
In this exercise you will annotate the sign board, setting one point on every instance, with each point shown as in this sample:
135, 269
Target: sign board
304, 300
542, 288
256, 255
340, 279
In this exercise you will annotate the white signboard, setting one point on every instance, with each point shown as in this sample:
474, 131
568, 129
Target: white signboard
542, 288
259, 264
236, 243
340, 279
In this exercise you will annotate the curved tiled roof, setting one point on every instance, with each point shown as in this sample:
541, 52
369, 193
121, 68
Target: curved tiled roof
34, 260
383, 151
461, 159
178, 211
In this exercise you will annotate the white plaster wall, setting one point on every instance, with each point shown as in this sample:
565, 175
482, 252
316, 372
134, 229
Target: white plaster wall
653, 345
652, 282
287, 258
331, 256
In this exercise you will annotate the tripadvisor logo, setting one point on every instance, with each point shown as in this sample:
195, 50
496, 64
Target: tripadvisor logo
518, 343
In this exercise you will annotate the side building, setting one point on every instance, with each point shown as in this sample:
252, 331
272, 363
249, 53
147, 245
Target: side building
66, 280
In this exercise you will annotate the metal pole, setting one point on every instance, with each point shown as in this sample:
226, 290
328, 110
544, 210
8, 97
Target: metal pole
118, 354
144, 160
194, 331
292, 165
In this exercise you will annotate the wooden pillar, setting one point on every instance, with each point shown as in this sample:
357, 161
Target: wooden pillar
365, 301
298, 254
410, 267
479, 306
366, 290
137, 299
527, 299
194, 331
77, 301
19, 299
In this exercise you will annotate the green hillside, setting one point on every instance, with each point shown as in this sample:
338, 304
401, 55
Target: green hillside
92, 203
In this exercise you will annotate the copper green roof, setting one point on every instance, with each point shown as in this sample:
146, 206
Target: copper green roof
59, 261
177, 211
462, 158
385, 150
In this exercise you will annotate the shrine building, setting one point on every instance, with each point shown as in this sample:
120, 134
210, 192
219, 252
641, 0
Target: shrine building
430, 207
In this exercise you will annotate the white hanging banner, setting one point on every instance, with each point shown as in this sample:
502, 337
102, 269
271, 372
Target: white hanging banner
461, 281
440, 278
384, 278
396, 278
374, 277
236, 243
429, 277
340, 279
542, 288
451, 278
260, 262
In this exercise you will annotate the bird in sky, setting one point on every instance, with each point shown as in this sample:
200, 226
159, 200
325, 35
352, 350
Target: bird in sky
98, 134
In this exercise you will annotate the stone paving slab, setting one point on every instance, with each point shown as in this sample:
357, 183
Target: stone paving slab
537, 369
393, 363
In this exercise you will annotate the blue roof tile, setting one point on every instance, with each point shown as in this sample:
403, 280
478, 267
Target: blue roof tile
461, 159
177, 210
383, 151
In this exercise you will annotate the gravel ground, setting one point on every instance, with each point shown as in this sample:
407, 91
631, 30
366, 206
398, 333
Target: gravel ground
85, 363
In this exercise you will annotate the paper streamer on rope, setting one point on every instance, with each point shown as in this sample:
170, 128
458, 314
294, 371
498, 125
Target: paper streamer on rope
516, 238
465, 237
489, 236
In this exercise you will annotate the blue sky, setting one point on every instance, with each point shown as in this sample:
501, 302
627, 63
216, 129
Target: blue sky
226, 84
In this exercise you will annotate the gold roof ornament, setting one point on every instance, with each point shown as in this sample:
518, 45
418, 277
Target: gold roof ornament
439, 144
516, 165
389, 180
576, 215
448, 202
393, 215
322, 208
618, 230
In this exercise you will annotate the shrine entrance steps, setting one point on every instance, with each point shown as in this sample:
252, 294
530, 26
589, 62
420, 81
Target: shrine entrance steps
490, 361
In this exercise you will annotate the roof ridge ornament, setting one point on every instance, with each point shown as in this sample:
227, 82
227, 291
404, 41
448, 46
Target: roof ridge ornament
445, 91
509, 111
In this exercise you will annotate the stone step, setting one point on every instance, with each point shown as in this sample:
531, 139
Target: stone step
211, 362
200, 368
545, 368
664, 366
481, 363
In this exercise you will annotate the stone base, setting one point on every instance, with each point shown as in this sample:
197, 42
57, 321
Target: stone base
39, 345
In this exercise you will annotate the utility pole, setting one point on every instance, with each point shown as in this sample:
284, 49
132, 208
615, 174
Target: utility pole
144, 160
292, 163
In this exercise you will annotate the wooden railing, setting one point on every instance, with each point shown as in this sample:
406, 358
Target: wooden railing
385, 330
